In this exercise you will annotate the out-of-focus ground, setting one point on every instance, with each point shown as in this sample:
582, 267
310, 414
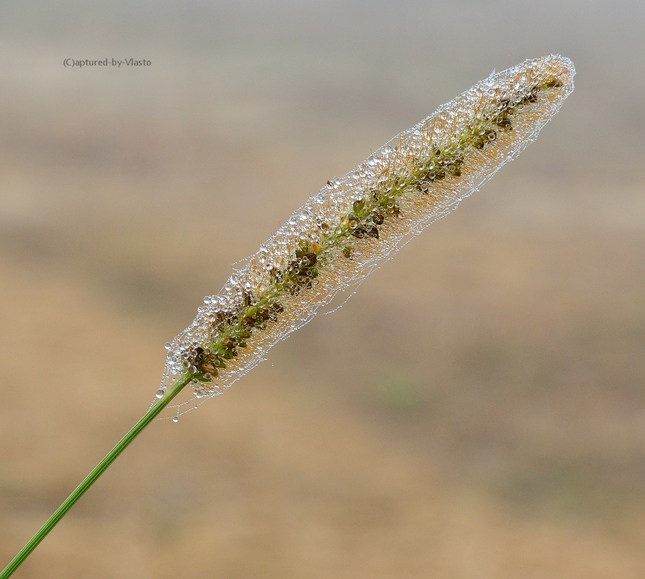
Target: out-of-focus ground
477, 410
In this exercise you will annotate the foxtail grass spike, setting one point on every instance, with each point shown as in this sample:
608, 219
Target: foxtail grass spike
344, 232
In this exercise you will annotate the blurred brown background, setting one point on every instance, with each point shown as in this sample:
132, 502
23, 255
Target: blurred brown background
477, 410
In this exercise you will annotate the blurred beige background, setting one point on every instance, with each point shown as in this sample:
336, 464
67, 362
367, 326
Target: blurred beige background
477, 410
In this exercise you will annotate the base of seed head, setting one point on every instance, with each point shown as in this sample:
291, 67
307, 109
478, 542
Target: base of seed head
341, 234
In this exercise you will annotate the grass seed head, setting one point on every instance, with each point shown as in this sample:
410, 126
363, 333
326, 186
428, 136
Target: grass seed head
341, 234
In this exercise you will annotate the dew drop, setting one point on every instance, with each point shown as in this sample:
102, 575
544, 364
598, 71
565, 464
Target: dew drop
175, 418
160, 393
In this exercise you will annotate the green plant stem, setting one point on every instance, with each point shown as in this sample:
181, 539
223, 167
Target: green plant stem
91, 478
